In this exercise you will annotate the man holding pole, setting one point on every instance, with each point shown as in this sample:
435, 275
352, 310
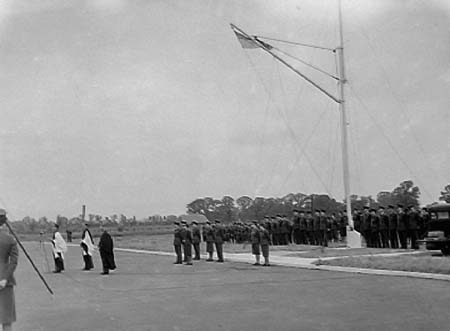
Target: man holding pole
8, 263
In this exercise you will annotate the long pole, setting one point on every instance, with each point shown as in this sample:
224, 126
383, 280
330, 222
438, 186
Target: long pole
344, 134
29, 258
353, 238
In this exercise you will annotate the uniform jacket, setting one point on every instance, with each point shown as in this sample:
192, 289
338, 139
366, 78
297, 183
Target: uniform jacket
402, 220
264, 236
8, 258
208, 233
196, 236
384, 222
177, 237
413, 220
393, 224
219, 234
254, 235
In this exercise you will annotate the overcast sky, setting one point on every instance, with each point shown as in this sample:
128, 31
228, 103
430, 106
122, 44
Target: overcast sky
139, 107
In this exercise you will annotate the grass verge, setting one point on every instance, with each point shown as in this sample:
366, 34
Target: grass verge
428, 262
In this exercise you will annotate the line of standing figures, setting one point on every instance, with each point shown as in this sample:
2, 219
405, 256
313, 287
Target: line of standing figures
187, 237
105, 246
391, 227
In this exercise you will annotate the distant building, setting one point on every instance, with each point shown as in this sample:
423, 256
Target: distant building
201, 219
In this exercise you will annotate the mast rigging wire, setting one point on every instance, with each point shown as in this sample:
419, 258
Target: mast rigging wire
306, 63
387, 139
298, 44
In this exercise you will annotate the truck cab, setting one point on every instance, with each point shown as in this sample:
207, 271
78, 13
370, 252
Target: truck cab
438, 236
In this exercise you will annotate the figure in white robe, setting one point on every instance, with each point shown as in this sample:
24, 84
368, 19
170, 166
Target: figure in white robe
59, 248
87, 245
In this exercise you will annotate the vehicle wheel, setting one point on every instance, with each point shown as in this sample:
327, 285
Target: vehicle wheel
445, 250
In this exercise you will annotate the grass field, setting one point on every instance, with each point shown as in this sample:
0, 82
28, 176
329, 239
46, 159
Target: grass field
425, 261
428, 262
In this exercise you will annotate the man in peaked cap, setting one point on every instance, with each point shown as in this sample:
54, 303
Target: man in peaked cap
177, 241
413, 226
296, 226
219, 234
393, 226
365, 226
196, 239
402, 226
186, 235
208, 236
383, 227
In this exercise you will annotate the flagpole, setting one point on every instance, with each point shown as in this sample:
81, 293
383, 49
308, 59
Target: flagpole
353, 237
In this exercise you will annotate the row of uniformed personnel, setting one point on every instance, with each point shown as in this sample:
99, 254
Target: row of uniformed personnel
392, 227
186, 237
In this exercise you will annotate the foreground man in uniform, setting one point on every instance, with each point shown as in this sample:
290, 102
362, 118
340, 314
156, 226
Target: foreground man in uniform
106, 248
8, 263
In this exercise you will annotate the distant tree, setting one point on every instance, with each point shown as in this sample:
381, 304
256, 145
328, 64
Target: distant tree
406, 194
359, 202
61, 221
445, 195
385, 198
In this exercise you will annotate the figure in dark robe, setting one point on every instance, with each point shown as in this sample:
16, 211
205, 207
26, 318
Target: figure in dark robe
106, 248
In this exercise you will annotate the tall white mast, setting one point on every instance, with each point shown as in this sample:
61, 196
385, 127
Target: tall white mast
353, 238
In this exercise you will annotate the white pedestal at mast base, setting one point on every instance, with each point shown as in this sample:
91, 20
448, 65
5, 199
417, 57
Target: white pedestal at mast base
354, 239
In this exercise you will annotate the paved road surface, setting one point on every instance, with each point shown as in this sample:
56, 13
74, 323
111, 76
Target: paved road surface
150, 293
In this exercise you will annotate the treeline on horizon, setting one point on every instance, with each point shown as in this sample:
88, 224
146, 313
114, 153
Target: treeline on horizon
245, 208
229, 209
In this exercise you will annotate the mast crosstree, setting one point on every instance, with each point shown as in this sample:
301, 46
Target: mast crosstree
249, 41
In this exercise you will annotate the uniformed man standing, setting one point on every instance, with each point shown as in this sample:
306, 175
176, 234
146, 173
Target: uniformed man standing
316, 227
218, 240
393, 226
177, 241
402, 223
425, 221
254, 239
186, 234
264, 240
208, 236
323, 226
302, 228
374, 228
275, 231
413, 226
309, 228
196, 239
365, 226
296, 226
356, 219
383, 227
